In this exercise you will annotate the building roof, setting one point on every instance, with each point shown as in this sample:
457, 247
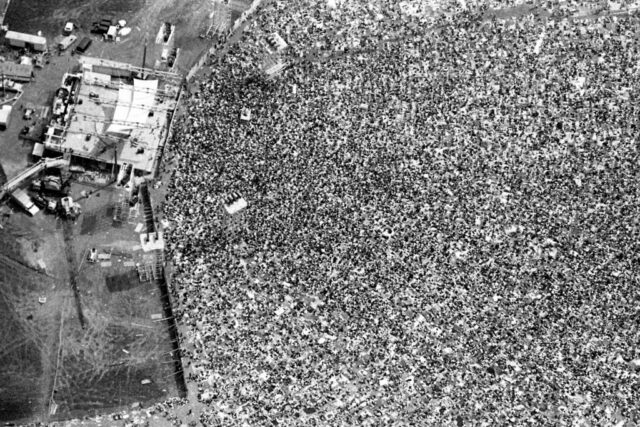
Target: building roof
5, 113
113, 119
28, 38
13, 70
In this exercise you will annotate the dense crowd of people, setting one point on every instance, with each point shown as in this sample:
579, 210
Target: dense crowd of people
442, 226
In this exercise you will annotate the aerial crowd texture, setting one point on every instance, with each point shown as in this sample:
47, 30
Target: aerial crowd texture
442, 225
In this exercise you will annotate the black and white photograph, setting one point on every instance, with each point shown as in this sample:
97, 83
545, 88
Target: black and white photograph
327, 213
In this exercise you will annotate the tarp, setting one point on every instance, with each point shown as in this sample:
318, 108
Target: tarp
133, 105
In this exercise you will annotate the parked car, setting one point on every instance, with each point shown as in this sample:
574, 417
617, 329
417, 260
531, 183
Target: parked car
28, 114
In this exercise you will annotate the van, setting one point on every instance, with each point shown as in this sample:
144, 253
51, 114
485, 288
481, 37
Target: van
66, 42
84, 45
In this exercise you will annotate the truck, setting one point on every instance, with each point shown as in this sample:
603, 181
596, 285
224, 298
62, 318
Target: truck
23, 199
102, 26
83, 45
49, 204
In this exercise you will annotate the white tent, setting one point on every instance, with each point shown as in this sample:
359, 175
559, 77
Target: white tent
133, 106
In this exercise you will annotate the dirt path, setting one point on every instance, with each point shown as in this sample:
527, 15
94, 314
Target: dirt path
52, 361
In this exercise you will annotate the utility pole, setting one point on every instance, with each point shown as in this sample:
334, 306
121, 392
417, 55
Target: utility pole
144, 58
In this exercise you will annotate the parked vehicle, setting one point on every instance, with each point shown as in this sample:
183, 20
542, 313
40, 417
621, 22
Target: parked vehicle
67, 41
68, 28
39, 201
83, 45
52, 205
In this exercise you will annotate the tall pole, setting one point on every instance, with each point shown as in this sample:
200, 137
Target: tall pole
115, 161
144, 57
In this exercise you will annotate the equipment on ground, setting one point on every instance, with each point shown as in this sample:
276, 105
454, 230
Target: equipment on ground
43, 164
49, 204
93, 255
70, 209
39, 201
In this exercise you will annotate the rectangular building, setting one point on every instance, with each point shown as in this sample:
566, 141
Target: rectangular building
16, 72
28, 41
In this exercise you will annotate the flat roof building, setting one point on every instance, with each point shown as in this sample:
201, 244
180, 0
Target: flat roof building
17, 72
25, 40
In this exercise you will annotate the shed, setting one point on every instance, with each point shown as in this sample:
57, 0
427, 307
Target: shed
5, 114
30, 41
17, 72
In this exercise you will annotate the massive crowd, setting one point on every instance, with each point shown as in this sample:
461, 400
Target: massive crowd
442, 225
